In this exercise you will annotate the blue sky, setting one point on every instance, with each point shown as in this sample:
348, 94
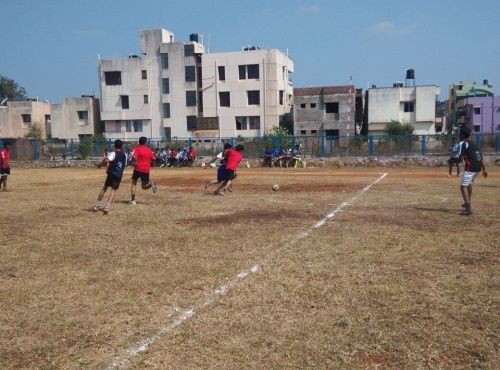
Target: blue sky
50, 47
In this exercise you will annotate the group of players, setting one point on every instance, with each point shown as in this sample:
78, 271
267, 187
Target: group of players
116, 162
230, 158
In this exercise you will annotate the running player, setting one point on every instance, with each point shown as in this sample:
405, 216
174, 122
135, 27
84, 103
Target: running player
116, 162
234, 158
473, 165
143, 157
4, 165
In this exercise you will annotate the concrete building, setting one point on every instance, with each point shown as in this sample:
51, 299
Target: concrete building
415, 105
174, 89
76, 118
456, 95
329, 110
245, 92
152, 94
16, 117
481, 114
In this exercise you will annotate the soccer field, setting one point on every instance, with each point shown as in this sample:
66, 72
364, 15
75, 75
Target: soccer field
340, 268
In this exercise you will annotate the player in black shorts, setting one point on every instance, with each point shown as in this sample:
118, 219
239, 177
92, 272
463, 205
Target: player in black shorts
116, 162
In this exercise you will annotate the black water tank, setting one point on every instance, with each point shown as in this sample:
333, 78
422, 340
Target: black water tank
485, 82
194, 37
410, 74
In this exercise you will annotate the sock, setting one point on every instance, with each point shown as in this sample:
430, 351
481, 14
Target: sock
97, 203
108, 205
133, 197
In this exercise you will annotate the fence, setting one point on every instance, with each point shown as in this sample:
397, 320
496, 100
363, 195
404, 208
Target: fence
314, 146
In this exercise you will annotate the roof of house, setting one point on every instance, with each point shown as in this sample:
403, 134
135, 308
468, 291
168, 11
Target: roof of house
324, 90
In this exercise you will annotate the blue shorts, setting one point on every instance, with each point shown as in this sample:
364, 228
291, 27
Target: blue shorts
221, 173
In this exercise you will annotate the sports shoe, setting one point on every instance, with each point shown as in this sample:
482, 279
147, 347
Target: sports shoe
467, 209
220, 192
96, 208
105, 210
132, 202
154, 187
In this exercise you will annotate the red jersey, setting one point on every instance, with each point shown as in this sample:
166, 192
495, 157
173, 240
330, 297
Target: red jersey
143, 157
233, 159
4, 159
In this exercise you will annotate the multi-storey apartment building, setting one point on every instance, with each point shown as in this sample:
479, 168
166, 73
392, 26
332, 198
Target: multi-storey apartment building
481, 114
139, 93
16, 117
245, 92
76, 118
174, 89
329, 110
415, 105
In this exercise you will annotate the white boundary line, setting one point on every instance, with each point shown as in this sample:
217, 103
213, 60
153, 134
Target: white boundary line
179, 317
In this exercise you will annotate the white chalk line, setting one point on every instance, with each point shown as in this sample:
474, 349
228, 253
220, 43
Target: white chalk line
123, 361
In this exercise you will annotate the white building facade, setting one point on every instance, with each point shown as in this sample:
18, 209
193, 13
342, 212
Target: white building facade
16, 118
174, 89
415, 105
75, 118
246, 91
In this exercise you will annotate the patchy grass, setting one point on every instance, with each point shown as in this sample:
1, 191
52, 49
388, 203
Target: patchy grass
397, 279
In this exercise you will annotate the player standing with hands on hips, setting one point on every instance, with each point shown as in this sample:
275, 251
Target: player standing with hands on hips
143, 157
473, 165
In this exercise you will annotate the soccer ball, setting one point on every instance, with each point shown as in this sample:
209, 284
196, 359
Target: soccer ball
276, 187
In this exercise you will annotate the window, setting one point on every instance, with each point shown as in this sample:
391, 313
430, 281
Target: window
477, 128
118, 126
189, 50
224, 99
302, 106
191, 123
409, 107
190, 73
477, 110
138, 126
190, 98
124, 99
166, 85
26, 118
222, 73
250, 71
164, 60
83, 115
314, 131
303, 132
241, 123
144, 74
113, 78
242, 72
253, 97
254, 123
332, 107
248, 123
313, 105
146, 99
253, 71
166, 110
281, 97
128, 126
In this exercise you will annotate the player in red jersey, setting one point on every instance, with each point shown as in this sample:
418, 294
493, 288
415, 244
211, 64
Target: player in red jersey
4, 165
143, 157
234, 158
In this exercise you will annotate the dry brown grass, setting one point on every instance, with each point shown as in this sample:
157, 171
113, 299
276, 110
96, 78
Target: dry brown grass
398, 279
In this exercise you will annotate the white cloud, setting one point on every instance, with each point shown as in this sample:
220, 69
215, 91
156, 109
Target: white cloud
310, 9
388, 27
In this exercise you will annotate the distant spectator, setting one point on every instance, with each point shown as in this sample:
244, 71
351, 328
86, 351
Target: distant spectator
455, 157
182, 158
268, 157
191, 156
172, 158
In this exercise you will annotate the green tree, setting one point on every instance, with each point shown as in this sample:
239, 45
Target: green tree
286, 122
11, 90
398, 128
35, 131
